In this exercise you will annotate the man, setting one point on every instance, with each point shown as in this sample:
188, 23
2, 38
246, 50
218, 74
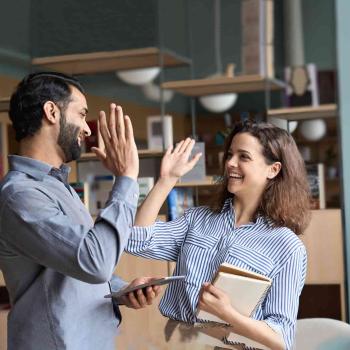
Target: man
57, 263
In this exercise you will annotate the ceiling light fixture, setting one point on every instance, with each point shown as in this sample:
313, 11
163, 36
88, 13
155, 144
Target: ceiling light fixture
139, 76
219, 102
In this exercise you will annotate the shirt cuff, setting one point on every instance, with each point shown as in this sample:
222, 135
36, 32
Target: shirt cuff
117, 283
126, 188
139, 233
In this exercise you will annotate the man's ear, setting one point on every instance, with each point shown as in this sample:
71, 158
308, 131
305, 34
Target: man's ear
51, 112
275, 168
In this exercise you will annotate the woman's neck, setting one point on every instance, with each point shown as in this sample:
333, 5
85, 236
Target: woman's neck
245, 210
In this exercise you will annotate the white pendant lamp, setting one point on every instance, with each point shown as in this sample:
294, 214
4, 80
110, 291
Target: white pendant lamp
313, 130
153, 93
219, 102
140, 76
283, 124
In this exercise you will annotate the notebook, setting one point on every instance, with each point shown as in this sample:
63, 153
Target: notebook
246, 290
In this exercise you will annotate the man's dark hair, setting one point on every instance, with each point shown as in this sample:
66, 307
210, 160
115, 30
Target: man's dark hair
26, 104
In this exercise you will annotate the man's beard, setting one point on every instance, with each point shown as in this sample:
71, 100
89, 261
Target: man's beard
68, 139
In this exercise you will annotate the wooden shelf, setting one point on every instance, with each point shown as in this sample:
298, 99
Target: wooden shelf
243, 83
209, 181
303, 113
143, 153
4, 104
107, 61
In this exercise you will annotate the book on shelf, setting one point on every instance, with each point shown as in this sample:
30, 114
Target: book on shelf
246, 290
316, 179
82, 190
198, 173
178, 200
145, 186
99, 193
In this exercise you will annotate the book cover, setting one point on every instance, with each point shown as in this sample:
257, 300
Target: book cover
316, 178
82, 190
178, 200
145, 186
198, 172
99, 193
245, 288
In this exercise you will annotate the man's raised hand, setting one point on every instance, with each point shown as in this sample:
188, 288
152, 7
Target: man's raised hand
120, 154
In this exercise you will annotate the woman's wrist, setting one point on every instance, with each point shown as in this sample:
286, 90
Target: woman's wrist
168, 181
232, 316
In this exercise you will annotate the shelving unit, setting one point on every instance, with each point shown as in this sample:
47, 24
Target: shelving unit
209, 86
108, 61
4, 104
304, 113
209, 181
143, 153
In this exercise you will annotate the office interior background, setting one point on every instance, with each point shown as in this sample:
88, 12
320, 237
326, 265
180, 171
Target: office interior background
193, 68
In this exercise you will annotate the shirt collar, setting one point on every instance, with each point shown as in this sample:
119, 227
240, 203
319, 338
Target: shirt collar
33, 167
228, 207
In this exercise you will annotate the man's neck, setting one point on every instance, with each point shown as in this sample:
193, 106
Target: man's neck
44, 153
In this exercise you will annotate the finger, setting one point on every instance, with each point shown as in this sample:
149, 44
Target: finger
150, 295
129, 131
156, 290
207, 297
178, 146
194, 160
141, 298
134, 303
189, 147
104, 129
112, 123
100, 154
216, 292
168, 151
184, 145
120, 123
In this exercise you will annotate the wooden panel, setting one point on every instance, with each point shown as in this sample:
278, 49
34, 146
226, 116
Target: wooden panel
3, 329
4, 104
324, 243
244, 83
109, 61
303, 113
209, 181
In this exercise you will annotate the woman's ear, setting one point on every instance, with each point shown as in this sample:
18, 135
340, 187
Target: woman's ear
275, 168
51, 112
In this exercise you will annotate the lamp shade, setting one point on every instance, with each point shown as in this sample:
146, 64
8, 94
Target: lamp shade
140, 76
283, 124
313, 130
219, 102
153, 93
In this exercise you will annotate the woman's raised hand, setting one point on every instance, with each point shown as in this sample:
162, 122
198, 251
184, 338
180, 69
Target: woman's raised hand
176, 162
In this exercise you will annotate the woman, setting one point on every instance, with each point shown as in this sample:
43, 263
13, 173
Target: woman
263, 206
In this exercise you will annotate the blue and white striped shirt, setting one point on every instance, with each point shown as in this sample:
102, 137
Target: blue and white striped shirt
201, 240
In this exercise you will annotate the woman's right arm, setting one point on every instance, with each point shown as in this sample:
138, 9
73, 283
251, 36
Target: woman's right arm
175, 164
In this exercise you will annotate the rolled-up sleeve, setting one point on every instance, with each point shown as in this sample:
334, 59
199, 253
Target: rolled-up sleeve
161, 241
281, 305
35, 225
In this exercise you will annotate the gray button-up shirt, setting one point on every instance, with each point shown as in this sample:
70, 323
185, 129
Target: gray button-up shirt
56, 261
